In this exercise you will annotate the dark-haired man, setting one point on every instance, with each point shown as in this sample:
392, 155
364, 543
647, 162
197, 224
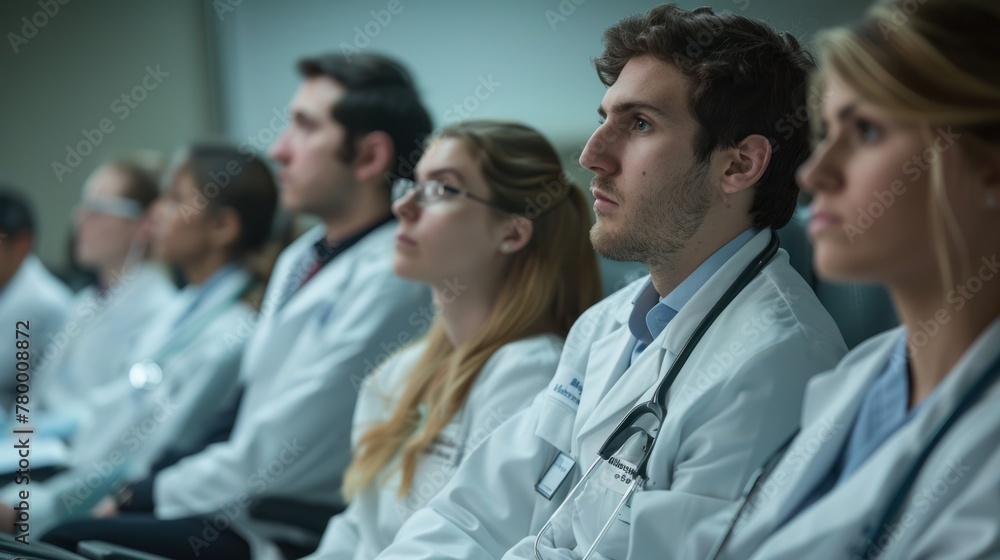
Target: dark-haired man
333, 308
688, 183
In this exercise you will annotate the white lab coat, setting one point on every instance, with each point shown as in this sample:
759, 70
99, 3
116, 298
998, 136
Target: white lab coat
126, 429
34, 295
732, 405
100, 332
509, 379
302, 368
953, 509
199, 357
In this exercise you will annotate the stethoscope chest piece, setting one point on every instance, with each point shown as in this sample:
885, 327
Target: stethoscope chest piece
145, 375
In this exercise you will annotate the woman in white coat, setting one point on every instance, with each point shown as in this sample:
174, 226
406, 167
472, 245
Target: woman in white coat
113, 231
186, 363
496, 272
898, 456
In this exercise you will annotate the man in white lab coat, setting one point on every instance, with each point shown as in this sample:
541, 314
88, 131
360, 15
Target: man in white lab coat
333, 309
689, 183
32, 301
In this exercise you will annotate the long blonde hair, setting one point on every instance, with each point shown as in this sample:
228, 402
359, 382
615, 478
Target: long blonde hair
544, 288
932, 64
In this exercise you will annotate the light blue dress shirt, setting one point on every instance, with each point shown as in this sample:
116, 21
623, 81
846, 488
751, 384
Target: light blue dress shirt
884, 410
650, 315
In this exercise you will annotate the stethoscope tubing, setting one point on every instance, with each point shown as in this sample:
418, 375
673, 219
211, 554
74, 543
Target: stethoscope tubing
657, 404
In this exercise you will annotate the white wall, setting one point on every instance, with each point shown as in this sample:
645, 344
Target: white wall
239, 55
541, 63
537, 53
71, 75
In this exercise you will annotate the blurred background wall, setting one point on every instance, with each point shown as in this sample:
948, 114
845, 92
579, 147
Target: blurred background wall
157, 74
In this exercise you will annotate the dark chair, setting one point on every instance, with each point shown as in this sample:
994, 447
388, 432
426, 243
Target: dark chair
11, 548
97, 550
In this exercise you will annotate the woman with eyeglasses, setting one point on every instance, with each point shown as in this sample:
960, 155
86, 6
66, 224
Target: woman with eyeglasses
215, 211
899, 452
113, 228
500, 235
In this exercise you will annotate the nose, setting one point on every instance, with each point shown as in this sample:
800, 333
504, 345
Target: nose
821, 171
406, 208
598, 155
279, 149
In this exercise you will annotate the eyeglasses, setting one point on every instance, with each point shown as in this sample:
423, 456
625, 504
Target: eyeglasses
429, 192
111, 206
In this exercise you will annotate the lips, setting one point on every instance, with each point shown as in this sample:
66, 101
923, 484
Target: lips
402, 239
821, 220
602, 202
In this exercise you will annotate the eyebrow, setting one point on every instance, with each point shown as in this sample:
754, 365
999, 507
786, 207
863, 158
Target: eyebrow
447, 170
301, 115
847, 110
628, 106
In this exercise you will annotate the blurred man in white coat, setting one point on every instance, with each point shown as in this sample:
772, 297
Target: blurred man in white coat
689, 183
333, 309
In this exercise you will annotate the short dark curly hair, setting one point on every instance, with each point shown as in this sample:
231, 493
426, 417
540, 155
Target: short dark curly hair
745, 79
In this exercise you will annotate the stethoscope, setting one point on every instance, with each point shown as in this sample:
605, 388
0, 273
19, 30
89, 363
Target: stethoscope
645, 419
981, 386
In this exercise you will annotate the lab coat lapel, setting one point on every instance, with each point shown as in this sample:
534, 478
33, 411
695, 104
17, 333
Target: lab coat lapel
623, 395
288, 273
324, 287
827, 426
328, 281
640, 379
886, 467
229, 287
607, 358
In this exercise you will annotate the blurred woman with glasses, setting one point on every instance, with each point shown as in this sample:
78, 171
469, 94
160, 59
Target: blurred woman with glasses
113, 228
500, 235
216, 210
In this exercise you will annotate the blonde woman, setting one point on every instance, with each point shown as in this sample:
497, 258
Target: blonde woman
898, 456
501, 237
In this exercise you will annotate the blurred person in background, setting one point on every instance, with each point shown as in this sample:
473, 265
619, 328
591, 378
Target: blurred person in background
215, 211
333, 309
32, 300
113, 230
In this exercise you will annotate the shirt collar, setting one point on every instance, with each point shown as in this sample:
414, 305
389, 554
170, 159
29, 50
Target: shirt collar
651, 315
324, 251
198, 293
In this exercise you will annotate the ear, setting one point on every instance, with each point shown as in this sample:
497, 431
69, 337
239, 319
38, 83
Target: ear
747, 163
225, 229
375, 153
517, 233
